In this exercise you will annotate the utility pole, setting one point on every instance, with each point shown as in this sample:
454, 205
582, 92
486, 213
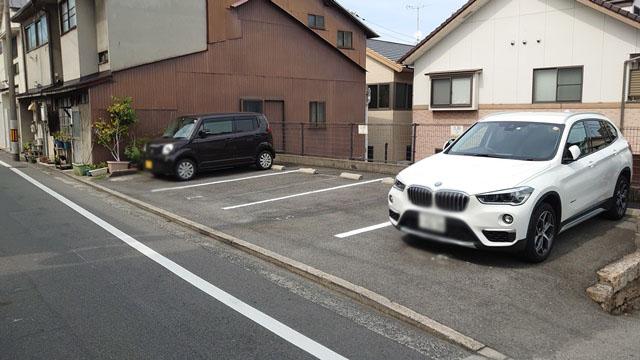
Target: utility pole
417, 8
8, 67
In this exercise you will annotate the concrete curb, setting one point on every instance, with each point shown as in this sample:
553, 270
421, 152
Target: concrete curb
380, 168
355, 292
278, 168
308, 171
351, 176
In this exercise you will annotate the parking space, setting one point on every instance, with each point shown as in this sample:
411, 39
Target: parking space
340, 226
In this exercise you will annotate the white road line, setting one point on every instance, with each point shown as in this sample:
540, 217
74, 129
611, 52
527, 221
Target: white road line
225, 181
264, 320
363, 230
301, 194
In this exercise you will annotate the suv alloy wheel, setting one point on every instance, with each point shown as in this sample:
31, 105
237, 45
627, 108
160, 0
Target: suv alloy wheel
185, 169
265, 160
542, 232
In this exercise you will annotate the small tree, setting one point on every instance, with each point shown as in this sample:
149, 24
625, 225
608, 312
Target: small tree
121, 117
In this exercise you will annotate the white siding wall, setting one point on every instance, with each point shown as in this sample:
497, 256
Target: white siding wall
144, 31
569, 34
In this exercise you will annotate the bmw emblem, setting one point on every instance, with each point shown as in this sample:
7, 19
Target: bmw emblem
438, 184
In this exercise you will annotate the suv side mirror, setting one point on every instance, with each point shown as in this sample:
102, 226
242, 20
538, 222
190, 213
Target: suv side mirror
447, 144
202, 134
571, 154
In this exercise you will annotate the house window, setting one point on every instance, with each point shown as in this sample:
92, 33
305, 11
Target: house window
636, 10
37, 33
16, 69
345, 39
68, 15
403, 97
409, 154
317, 114
316, 22
379, 96
451, 91
557, 85
370, 153
14, 45
251, 105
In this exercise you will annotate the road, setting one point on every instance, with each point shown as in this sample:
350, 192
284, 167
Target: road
83, 275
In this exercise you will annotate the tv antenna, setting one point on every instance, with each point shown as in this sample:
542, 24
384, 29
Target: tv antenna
417, 8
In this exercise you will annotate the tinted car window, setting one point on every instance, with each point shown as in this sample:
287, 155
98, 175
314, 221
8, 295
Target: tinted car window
613, 133
246, 124
218, 126
578, 137
598, 134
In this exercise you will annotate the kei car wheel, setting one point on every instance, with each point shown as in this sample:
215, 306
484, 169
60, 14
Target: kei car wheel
185, 170
265, 160
620, 200
543, 229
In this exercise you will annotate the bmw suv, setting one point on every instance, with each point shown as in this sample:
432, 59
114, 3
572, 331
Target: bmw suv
515, 181
201, 142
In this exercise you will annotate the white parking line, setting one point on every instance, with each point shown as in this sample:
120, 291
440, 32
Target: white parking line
283, 331
301, 194
363, 230
225, 181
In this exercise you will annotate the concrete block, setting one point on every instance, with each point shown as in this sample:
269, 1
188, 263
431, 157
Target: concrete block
389, 181
620, 273
278, 168
600, 293
309, 171
351, 176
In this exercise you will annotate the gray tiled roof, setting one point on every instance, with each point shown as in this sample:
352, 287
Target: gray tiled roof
390, 50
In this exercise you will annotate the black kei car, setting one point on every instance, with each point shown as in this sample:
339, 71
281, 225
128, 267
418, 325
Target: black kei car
211, 141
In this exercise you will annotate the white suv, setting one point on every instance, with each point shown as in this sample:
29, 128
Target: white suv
515, 181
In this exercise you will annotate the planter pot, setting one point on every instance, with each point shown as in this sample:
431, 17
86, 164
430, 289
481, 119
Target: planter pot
81, 169
117, 166
66, 145
98, 172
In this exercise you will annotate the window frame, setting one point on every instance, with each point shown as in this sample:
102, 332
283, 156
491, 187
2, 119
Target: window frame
317, 124
62, 12
343, 46
34, 25
377, 97
251, 99
314, 24
450, 77
408, 95
533, 86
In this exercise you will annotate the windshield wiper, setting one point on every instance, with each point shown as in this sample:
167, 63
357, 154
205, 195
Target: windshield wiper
485, 155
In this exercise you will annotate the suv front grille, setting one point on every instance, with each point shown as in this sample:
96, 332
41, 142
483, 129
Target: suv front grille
420, 196
451, 201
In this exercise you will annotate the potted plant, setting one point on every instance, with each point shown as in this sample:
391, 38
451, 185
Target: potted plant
134, 152
109, 133
81, 169
98, 169
58, 140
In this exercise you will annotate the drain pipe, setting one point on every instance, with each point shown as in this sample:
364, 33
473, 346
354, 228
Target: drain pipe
623, 101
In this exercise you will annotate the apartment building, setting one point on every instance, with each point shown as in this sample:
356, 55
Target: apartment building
302, 63
18, 67
522, 55
389, 133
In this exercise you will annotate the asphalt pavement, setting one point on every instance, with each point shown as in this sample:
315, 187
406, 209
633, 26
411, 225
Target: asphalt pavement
128, 284
520, 309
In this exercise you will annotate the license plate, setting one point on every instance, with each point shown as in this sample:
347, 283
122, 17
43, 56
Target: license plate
432, 222
148, 164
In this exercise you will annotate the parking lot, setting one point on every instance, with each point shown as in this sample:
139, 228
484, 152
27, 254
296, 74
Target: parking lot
340, 226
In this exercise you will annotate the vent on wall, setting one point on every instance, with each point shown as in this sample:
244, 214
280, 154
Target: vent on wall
103, 57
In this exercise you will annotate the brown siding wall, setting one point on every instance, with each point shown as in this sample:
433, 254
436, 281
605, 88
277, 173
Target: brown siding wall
275, 59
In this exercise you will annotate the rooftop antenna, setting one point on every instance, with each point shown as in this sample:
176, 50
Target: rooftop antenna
417, 8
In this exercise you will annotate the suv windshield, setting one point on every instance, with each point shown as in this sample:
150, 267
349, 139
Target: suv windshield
180, 128
530, 141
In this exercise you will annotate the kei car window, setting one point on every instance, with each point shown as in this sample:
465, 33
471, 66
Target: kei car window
578, 136
598, 135
246, 124
218, 126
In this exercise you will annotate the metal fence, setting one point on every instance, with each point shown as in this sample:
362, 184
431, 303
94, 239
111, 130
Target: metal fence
388, 143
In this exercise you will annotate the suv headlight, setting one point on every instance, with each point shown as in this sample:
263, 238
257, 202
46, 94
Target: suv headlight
516, 196
167, 149
399, 185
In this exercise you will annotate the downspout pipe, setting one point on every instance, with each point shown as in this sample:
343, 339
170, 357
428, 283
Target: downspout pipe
625, 77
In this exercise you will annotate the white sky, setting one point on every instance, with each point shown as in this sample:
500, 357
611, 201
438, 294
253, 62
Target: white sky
393, 21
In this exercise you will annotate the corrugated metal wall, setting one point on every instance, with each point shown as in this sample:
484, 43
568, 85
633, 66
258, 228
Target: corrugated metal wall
275, 59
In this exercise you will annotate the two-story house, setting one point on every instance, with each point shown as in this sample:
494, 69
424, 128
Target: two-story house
302, 63
18, 68
389, 128
522, 55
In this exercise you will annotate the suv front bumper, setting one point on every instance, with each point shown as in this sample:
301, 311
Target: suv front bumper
478, 226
